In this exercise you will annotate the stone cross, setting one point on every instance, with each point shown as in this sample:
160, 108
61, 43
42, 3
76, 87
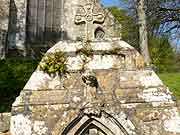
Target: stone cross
89, 13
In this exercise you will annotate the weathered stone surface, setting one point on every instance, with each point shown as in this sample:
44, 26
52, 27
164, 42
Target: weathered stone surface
8, 133
4, 122
108, 91
4, 14
4, 21
17, 26
73, 31
130, 99
21, 24
53, 20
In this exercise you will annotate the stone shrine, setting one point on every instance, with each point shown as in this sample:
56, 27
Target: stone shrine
94, 87
109, 92
97, 86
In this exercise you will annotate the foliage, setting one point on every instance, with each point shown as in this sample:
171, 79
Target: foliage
177, 61
54, 63
88, 52
162, 54
85, 53
161, 51
14, 73
114, 51
163, 17
129, 28
172, 81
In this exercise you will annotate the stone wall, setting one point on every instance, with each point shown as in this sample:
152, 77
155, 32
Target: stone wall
4, 122
4, 20
4, 14
112, 93
17, 28
44, 20
74, 31
45, 25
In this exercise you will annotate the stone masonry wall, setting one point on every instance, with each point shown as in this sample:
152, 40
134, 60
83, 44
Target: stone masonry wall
4, 20
115, 90
4, 122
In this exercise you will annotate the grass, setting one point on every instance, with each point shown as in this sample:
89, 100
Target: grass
172, 80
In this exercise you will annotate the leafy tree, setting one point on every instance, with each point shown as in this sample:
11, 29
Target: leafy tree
162, 54
163, 17
129, 30
161, 50
140, 36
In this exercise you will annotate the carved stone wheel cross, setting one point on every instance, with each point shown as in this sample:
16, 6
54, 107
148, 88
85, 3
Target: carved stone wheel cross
89, 13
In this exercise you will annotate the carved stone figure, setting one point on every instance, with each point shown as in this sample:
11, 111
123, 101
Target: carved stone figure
92, 85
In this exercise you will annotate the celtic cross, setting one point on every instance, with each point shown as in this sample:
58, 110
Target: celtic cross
89, 13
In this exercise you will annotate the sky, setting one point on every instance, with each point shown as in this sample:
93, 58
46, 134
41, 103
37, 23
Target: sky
121, 5
117, 3
109, 2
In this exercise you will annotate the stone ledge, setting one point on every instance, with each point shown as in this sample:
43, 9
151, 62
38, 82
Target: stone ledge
7, 133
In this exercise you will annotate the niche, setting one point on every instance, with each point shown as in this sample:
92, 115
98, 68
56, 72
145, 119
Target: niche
99, 33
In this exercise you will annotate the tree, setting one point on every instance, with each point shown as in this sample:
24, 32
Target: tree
161, 51
162, 54
143, 37
164, 18
129, 29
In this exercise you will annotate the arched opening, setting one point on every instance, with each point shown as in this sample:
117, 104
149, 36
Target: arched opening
95, 125
99, 33
94, 130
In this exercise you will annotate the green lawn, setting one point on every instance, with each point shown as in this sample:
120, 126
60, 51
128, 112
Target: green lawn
172, 80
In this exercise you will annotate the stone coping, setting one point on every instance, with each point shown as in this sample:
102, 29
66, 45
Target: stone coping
99, 45
55, 97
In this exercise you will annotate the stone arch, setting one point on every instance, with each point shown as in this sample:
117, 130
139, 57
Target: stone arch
99, 33
104, 124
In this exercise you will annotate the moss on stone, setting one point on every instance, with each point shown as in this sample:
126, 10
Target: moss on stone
53, 63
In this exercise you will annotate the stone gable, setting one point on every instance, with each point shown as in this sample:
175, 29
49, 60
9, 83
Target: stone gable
91, 83
112, 93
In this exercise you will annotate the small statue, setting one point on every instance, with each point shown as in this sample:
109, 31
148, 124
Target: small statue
92, 84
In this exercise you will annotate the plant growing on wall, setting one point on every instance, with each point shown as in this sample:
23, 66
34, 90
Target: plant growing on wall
54, 63
88, 52
85, 53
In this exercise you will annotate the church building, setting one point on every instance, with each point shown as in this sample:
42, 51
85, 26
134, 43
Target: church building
35, 24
